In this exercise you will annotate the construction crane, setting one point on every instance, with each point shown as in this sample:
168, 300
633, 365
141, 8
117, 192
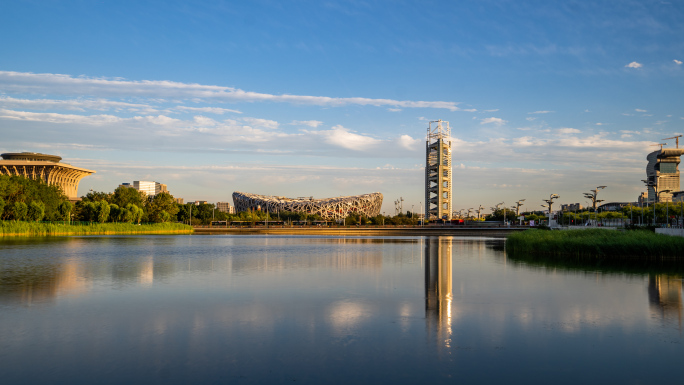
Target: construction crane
661, 145
676, 138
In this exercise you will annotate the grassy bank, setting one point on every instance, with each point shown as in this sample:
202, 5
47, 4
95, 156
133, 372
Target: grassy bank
596, 244
12, 228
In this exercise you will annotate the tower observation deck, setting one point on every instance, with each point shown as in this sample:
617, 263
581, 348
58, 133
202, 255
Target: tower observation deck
438, 171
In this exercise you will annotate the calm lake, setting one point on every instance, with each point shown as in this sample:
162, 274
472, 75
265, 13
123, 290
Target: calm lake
298, 309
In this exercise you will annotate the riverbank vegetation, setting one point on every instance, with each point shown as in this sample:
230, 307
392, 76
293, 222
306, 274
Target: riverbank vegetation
597, 244
20, 228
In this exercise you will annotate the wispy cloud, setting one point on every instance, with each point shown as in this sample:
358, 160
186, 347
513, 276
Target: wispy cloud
207, 110
568, 130
47, 83
310, 123
634, 65
678, 62
541, 112
496, 121
76, 105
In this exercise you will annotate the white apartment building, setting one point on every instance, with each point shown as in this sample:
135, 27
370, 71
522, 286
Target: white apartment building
145, 186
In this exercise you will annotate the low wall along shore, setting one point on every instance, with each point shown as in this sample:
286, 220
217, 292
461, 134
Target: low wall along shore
497, 232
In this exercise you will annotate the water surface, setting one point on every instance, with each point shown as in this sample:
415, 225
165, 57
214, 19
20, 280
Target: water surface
283, 309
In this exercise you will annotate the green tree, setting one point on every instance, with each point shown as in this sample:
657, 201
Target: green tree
162, 207
19, 210
122, 196
134, 213
96, 196
115, 213
64, 210
19, 189
2, 206
35, 211
102, 210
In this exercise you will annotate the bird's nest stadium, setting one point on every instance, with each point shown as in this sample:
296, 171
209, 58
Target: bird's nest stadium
331, 208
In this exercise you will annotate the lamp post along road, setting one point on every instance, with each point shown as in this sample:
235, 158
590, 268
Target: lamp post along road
550, 204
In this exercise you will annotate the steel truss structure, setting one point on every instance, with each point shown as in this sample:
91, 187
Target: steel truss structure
46, 168
438, 171
331, 208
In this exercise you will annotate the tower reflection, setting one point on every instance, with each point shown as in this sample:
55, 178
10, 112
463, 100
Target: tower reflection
665, 297
438, 288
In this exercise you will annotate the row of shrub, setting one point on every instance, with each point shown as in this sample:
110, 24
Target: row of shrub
597, 243
20, 228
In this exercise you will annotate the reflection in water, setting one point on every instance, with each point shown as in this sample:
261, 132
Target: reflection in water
38, 272
438, 288
263, 309
665, 297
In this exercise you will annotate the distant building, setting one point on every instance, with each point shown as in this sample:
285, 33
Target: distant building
44, 167
438, 171
614, 206
197, 203
145, 186
179, 200
225, 207
160, 188
571, 207
643, 199
367, 205
148, 187
662, 173
678, 196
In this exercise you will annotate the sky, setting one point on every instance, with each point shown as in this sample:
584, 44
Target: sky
333, 98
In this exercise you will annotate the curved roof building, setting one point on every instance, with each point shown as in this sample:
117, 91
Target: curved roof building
44, 167
331, 208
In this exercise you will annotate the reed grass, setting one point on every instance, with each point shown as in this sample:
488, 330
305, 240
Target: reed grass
31, 229
597, 243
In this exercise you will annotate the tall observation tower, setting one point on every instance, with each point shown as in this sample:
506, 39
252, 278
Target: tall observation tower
438, 171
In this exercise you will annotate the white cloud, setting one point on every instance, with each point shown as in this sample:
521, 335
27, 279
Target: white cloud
541, 112
634, 65
678, 62
310, 123
529, 118
495, 110
497, 121
209, 110
601, 124
50, 117
568, 130
264, 123
394, 109
408, 142
640, 110
46, 83
342, 137
75, 105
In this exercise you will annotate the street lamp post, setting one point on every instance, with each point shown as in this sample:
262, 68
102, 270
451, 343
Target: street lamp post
517, 208
594, 201
550, 204
667, 219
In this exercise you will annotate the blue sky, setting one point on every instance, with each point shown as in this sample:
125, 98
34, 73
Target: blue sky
330, 98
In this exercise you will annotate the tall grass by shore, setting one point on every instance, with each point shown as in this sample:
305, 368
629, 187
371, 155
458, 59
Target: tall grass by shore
17, 228
597, 244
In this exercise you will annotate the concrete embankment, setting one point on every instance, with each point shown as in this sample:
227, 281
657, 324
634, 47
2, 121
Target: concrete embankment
495, 232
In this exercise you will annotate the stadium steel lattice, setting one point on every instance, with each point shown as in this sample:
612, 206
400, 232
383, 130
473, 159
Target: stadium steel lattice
331, 208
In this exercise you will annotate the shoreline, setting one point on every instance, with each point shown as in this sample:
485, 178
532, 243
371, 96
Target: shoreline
494, 232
